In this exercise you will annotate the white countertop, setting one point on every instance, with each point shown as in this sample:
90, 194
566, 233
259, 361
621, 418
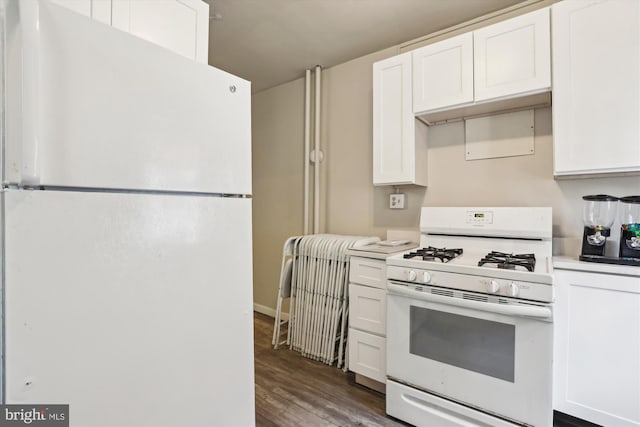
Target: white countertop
572, 263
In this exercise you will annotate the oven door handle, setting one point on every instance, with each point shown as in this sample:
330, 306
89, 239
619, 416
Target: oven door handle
507, 309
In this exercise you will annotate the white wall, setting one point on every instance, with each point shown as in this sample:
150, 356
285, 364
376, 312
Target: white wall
277, 138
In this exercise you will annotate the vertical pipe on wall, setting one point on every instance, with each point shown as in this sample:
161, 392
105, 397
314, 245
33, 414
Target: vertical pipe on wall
307, 132
316, 179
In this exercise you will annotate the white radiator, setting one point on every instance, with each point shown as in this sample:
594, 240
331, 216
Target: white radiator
319, 304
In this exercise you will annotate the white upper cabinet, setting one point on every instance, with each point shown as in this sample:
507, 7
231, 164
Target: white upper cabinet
399, 157
496, 68
100, 10
443, 74
82, 7
181, 26
596, 86
513, 56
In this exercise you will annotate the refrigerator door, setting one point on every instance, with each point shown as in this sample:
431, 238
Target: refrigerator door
135, 309
91, 106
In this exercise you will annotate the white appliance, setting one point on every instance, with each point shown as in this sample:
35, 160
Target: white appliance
470, 334
126, 227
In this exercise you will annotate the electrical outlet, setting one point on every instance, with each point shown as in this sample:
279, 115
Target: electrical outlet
396, 201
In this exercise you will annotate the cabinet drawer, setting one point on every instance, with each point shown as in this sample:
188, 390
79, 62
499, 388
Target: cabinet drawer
367, 309
367, 355
371, 272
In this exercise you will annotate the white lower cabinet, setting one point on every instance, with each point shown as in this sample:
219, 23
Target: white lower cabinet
367, 355
597, 347
367, 321
368, 272
367, 309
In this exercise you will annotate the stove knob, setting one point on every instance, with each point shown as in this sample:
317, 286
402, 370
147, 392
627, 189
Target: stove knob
412, 275
426, 277
514, 290
493, 287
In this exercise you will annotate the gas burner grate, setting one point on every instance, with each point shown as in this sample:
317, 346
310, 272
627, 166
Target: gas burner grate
509, 261
430, 254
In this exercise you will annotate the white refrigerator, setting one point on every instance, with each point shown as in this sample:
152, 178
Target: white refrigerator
126, 227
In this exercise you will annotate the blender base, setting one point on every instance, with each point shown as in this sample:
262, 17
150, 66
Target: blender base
610, 260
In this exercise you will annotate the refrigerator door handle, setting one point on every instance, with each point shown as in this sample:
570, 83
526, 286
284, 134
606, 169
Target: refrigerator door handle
30, 91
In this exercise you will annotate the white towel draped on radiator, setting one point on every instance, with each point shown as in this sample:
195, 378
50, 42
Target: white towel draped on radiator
319, 304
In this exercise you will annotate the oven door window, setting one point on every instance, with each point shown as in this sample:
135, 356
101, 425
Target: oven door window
477, 345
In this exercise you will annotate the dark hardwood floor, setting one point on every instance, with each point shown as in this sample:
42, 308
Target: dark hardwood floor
292, 390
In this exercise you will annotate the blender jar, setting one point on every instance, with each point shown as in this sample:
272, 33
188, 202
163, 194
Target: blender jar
598, 216
629, 227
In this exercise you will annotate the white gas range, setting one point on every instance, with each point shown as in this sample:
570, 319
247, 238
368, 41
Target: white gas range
469, 320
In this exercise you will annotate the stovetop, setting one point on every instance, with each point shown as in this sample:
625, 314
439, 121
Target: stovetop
500, 264
504, 274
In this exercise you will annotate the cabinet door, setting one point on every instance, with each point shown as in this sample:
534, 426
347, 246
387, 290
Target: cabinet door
394, 126
596, 89
597, 347
443, 74
513, 57
179, 25
100, 10
367, 355
368, 309
82, 7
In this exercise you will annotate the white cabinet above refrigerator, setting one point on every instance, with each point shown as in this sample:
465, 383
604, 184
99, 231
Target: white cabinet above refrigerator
181, 26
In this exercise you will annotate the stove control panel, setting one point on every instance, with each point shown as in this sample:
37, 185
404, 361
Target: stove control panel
420, 277
479, 217
468, 282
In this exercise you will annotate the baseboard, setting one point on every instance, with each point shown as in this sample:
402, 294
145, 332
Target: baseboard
271, 312
372, 384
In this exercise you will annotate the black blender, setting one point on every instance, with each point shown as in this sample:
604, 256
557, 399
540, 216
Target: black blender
630, 230
598, 216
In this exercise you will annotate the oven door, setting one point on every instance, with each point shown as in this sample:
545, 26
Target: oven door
492, 356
